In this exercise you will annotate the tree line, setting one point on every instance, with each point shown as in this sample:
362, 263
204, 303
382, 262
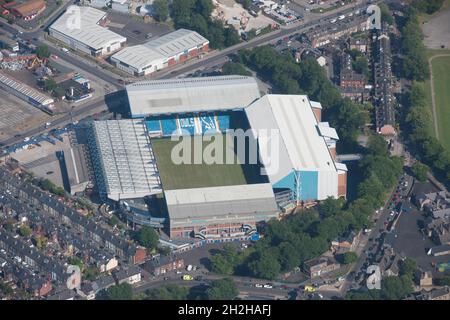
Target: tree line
308, 234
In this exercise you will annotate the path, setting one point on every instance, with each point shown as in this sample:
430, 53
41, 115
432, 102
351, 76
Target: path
433, 99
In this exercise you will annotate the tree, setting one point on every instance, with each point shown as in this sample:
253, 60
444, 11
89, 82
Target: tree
264, 265
122, 291
361, 65
376, 145
420, 171
25, 231
234, 68
50, 84
168, 292
161, 10
386, 15
396, 288
226, 261
407, 267
43, 52
75, 261
347, 258
91, 273
223, 289
113, 221
147, 237
231, 37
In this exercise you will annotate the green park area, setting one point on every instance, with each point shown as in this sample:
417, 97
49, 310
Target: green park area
440, 65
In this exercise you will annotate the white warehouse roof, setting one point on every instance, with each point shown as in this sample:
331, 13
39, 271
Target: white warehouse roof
191, 95
125, 159
301, 148
26, 90
89, 33
138, 57
156, 51
177, 42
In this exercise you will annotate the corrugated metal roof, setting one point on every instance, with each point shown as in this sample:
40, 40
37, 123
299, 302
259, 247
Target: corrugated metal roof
326, 131
301, 146
191, 95
218, 201
26, 90
176, 42
125, 159
89, 33
165, 47
138, 56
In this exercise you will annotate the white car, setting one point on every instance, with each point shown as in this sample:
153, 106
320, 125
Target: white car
258, 285
268, 286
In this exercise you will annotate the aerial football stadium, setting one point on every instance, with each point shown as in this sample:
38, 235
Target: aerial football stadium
222, 117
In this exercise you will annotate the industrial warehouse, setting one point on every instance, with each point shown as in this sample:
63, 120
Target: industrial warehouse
90, 36
27, 93
172, 48
134, 165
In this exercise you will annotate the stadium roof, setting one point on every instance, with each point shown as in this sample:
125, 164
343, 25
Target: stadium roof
315, 104
301, 146
90, 33
198, 203
326, 131
191, 95
176, 42
125, 159
26, 90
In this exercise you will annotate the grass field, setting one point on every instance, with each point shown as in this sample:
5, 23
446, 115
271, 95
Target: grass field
441, 75
182, 176
441, 80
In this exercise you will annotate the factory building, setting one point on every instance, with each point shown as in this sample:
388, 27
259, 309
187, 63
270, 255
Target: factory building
27, 93
88, 34
170, 49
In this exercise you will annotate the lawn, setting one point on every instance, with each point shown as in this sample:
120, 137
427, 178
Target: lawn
181, 176
441, 76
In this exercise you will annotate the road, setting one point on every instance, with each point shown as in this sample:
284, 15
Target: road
246, 288
381, 217
218, 56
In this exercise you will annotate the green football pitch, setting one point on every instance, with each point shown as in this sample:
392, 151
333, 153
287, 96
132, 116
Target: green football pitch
190, 175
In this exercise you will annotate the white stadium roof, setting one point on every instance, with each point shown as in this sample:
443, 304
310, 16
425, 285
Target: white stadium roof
221, 204
125, 158
326, 131
301, 147
191, 95
89, 33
